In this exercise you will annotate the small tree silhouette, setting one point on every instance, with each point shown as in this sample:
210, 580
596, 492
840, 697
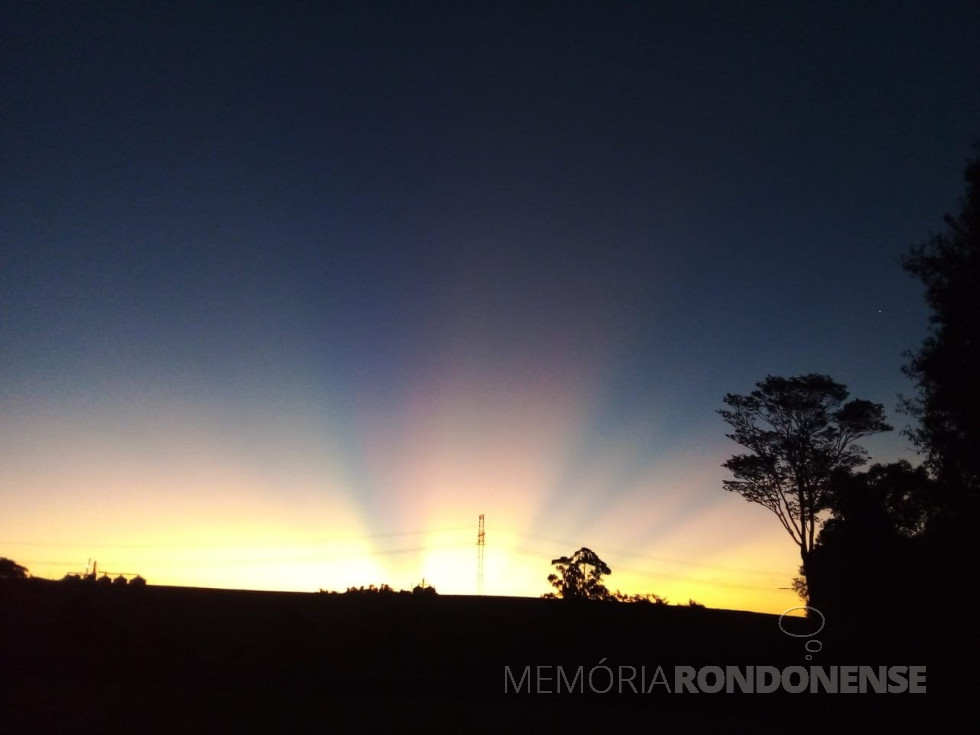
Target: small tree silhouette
424, 590
580, 577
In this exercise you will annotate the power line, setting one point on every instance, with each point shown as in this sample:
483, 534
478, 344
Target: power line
297, 557
670, 560
316, 540
646, 574
287, 554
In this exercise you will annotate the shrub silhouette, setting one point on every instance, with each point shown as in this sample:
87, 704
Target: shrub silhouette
647, 599
9, 569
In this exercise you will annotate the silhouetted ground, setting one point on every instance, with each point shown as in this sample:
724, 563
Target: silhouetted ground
166, 659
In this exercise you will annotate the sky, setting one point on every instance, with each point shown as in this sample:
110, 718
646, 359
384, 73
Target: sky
291, 293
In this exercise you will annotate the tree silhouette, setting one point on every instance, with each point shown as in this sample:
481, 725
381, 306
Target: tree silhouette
869, 551
580, 577
800, 432
947, 401
424, 590
897, 497
946, 366
9, 569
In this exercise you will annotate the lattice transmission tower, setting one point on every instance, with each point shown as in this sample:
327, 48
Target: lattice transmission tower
481, 544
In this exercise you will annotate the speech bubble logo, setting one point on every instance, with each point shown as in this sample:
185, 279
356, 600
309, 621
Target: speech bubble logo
811, 646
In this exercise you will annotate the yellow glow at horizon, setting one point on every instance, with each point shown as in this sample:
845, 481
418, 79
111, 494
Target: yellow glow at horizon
175, 495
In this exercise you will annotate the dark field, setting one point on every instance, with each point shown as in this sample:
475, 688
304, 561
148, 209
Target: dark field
89, 659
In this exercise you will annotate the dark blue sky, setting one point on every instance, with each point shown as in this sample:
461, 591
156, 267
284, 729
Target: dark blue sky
573, 227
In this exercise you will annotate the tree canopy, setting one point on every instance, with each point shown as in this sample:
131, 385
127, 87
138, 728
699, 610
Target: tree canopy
800, 431
946, 366
579, 576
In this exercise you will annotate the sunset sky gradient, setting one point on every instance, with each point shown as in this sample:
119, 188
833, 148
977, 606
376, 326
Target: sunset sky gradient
291, 293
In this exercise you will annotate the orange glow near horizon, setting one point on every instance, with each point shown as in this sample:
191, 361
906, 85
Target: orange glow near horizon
177, 496
450, 567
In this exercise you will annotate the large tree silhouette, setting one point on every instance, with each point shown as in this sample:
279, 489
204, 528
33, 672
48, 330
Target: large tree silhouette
947, 365
800, 432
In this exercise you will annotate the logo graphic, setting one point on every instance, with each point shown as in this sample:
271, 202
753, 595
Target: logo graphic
811, 646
